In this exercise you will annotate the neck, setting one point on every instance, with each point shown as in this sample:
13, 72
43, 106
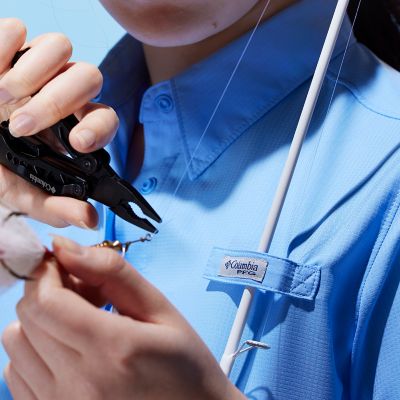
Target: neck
165, 62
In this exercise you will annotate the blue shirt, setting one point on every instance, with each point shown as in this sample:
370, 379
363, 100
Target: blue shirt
327, 301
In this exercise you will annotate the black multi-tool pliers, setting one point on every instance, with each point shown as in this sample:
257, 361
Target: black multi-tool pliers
73, 174
77, 175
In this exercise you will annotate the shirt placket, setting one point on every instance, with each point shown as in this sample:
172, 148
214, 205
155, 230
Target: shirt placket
161, 130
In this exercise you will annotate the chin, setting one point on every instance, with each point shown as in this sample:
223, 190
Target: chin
169, 23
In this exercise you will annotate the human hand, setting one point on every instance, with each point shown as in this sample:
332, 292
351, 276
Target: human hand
62, 88
64, 347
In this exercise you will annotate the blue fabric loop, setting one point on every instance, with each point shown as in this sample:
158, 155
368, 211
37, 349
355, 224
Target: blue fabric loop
281, 276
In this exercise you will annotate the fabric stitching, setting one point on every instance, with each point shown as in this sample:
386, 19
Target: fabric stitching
297, 269
389, 216
359, 98
253, 119
180, 122
380, 239
263, 110
258, 286
246, 125
304, 280
257, 254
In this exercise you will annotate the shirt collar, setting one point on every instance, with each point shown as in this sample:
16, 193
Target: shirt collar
281, 56
125, 73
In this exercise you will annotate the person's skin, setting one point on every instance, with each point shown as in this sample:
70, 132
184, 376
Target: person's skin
64, 88
63, 346
178, 33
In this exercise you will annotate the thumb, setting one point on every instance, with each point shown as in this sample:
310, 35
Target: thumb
116, 280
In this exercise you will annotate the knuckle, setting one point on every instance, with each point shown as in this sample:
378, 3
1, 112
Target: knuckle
44, 300
20, 84
53, 108
21, 308
112, 261
83, 212
39, 303
92, 74
124, 352
14, 25
10, 335
61, 42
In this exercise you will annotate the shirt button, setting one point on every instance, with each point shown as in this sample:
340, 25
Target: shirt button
149, 185
165, 103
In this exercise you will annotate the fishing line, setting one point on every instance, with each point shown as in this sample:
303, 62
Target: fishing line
322, 131
266, 319
285, 181
216, 108
223, 94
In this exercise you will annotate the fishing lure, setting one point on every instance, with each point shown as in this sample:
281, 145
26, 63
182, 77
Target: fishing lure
21, 251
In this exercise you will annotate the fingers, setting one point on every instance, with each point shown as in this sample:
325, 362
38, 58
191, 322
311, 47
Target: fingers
116, 280
87, 292
62, 96
61, 88
47, 55
97, 128
13, 35
20, 195
55, 354
24, 358
18, 387
61, 313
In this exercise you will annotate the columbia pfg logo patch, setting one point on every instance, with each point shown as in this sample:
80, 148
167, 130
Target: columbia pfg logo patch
243, 267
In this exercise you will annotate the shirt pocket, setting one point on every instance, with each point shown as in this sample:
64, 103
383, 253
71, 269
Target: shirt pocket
264, 272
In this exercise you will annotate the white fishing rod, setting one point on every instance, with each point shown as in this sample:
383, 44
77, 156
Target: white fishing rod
232, 347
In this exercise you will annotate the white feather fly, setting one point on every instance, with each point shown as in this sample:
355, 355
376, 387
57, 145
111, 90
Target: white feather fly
20, 249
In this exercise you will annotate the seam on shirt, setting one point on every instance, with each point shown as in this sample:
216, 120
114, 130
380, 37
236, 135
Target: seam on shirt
313, 276
258, 114
259, 286
294, 84
250, 121
359, 97
287, 290
388, 220
296, 265
180, 120
264, 109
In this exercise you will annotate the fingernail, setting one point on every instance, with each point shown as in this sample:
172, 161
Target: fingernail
85, 226
22, 125
5, 97
86, 138
67, 244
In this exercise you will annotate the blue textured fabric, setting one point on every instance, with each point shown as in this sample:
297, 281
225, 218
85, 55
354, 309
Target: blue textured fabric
341, 215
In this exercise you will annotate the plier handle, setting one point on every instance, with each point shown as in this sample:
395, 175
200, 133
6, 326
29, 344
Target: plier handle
73, 174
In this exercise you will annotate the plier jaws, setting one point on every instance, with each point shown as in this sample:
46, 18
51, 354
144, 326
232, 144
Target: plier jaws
117, 193
76, 175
